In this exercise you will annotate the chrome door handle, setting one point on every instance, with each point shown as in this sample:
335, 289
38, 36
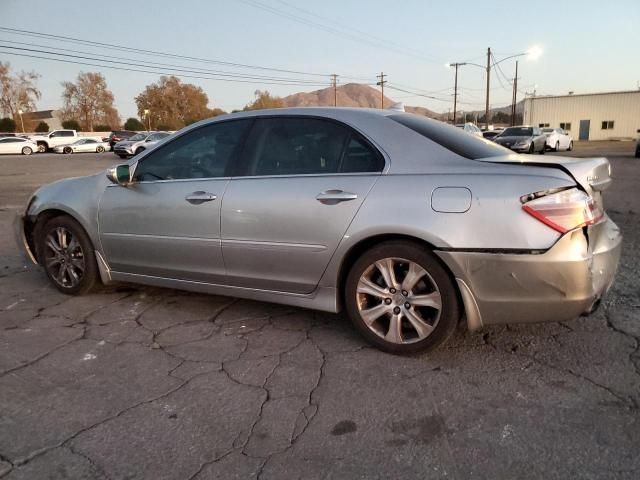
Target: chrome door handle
332, 197
197, 198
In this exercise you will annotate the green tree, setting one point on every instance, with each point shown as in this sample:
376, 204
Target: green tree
89, 100
172, 103
133, 124
7, 125
42, 127
71, 125
264, 100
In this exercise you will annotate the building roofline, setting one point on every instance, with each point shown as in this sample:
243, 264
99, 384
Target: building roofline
619, 92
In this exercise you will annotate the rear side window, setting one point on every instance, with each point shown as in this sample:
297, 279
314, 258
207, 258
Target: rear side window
304, 146
451, 138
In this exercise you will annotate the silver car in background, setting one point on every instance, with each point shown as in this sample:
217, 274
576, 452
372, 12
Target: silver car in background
138, 143
84, 145
406, 223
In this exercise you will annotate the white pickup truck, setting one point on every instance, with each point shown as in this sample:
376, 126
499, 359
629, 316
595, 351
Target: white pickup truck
53, 139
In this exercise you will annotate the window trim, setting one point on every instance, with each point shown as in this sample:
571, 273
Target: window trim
244, 166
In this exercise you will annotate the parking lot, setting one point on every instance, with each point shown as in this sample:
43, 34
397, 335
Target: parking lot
138, 382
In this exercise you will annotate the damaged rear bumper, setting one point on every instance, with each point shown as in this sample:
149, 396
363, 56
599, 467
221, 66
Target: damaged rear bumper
566, 281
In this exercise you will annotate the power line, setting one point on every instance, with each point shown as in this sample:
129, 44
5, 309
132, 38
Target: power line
146, 64
111, 67
63, 38
344, 32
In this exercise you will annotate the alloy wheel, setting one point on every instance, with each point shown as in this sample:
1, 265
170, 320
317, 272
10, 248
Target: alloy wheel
64, 258
398, 300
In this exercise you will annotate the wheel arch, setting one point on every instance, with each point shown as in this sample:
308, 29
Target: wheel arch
365, 244
41, 218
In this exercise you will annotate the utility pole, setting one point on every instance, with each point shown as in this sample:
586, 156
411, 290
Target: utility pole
514, 97
381, 83
334, 83
455, 90
486, 110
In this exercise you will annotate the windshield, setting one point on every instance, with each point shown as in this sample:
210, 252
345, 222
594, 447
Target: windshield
517, 132
138, 136
78, 142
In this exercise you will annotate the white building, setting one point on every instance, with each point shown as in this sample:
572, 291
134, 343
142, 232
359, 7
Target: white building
590, 116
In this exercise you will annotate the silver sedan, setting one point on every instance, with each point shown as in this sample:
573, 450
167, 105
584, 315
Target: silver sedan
407, 224
84, 145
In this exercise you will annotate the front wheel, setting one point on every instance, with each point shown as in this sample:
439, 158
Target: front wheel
42, 148
139, 150
67, 150
401, 298
27, 151
570, 145
66, 253
100, 149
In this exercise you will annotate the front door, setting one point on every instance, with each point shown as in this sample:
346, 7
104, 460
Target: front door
282, 222
167, 222
584, 129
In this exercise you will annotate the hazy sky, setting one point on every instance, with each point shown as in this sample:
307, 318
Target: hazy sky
588, 45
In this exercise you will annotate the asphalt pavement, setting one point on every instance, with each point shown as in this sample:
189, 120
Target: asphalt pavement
137, 382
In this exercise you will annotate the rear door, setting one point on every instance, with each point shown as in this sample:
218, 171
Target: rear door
304, 180
167, 223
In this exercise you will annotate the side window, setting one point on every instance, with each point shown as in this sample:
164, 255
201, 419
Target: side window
295, 146
202, 153
360, 157
65, 133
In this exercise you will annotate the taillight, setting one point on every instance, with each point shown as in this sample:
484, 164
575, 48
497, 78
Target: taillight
563, 211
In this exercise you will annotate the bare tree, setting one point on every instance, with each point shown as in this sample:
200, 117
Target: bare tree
89, 101
17, 92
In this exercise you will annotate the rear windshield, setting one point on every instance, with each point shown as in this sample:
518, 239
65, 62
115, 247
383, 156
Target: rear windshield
517, 132
451, 138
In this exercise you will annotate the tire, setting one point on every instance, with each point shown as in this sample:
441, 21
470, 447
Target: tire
557, 149
67, 150
432, 285
78, 259
638, 151
139, 150
42, 148
570, 146
100, 149
27, 151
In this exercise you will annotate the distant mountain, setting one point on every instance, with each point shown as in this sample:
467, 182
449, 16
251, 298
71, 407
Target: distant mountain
364, 96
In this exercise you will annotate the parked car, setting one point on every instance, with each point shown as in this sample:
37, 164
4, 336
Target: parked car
119, 135
523, 139
558, 139
405, 222
138, 143
470, 128
7, 135
17, 145
84, 145
53, 139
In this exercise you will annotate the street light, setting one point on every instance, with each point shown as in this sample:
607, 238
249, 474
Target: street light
21, 121
146, 114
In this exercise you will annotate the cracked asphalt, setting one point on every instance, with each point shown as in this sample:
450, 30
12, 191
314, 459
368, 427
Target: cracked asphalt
137, 382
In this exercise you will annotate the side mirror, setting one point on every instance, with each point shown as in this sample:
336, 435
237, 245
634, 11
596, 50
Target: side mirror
120, 174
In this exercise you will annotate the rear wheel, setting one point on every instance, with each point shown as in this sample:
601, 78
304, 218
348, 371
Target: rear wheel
557, 149
27, 151
570, 145
401, 299
66, 253
67, 150
42, 148
100, 149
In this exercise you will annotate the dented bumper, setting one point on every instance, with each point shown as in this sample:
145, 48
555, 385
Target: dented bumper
564, 282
